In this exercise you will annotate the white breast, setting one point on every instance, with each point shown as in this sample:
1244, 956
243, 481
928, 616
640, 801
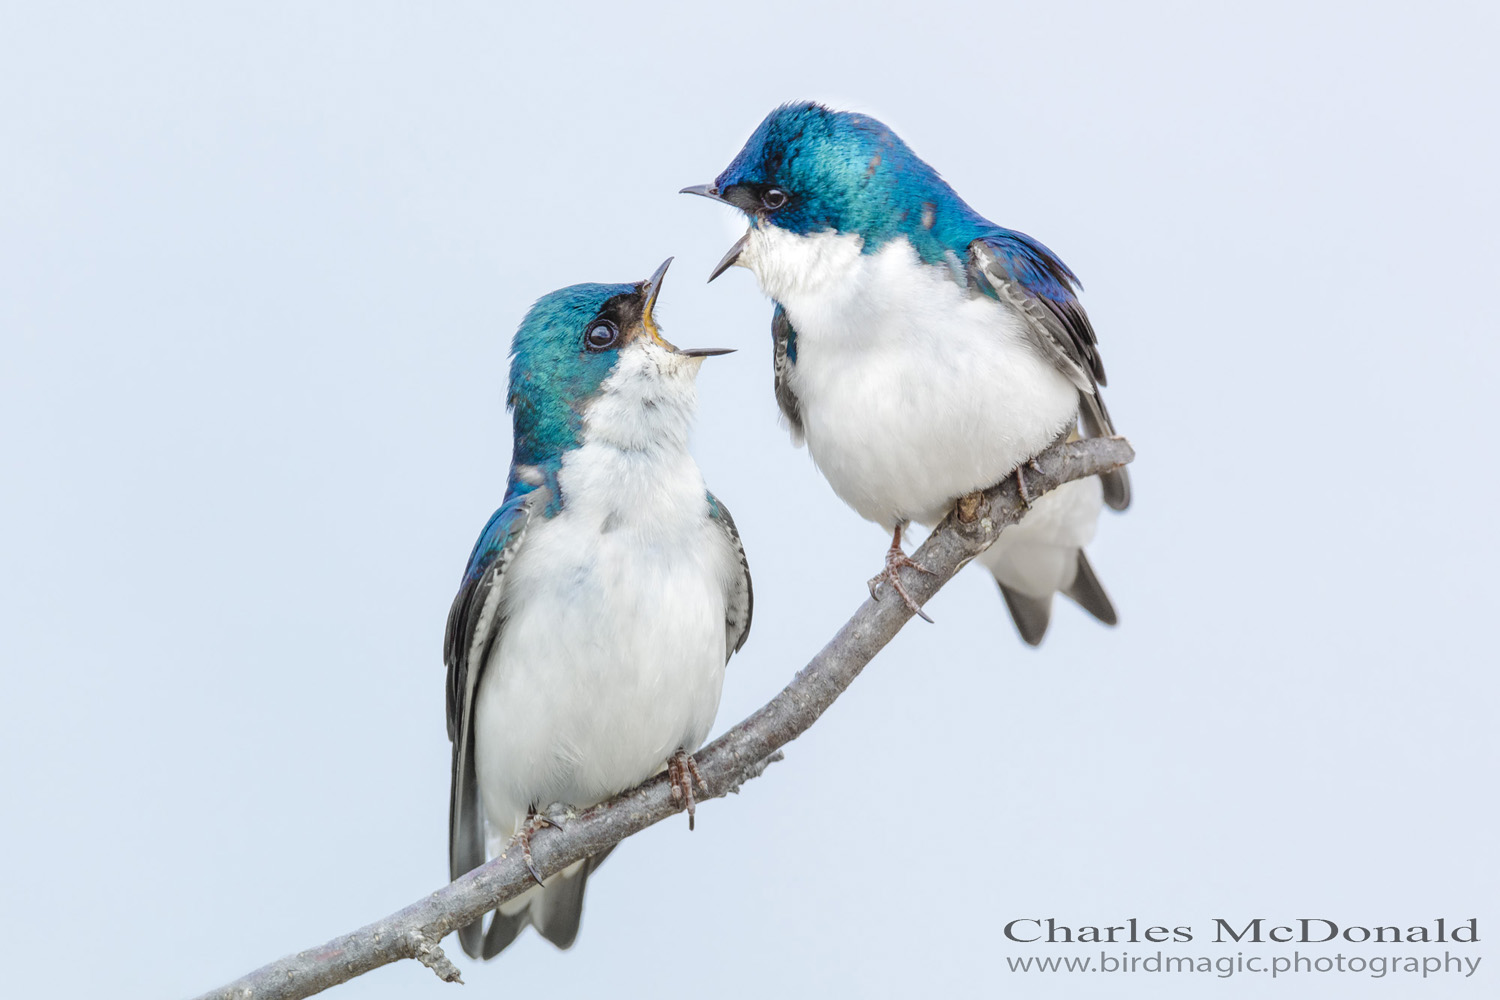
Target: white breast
612, 653
912, 391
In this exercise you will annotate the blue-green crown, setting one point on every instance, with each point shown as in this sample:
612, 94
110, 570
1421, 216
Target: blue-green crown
552, 375
849, 173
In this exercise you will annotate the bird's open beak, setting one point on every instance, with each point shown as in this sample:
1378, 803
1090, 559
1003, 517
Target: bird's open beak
733, 256
651, 288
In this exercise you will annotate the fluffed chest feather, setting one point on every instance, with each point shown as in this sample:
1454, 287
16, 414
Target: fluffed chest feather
613, 649
911, 390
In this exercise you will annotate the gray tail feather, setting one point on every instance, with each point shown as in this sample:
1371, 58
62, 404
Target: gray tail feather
555, 912
1096, 423
1089, 593
1031, 614
503, 931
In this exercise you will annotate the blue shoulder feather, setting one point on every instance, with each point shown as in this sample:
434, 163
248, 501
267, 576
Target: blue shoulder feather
1021, 272
1037, 268
496, 546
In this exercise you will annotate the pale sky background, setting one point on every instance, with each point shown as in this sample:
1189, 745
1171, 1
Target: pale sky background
259, 268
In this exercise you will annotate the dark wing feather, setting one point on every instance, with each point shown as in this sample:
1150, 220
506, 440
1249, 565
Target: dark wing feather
473, 623
1022, 273
739, 599
783, 358
1029, 278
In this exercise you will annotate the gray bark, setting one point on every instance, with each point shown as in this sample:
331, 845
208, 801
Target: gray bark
739, 755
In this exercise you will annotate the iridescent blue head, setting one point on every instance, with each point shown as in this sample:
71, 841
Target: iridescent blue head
808, 169
577, 346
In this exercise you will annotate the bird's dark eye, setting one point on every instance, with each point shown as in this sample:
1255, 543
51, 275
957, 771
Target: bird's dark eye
773, 199
601, 336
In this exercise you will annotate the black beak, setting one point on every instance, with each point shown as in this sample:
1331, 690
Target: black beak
650, 289
731, 258
705, 352
705, 191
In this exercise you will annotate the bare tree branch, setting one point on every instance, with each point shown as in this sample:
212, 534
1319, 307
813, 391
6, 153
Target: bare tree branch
737, 756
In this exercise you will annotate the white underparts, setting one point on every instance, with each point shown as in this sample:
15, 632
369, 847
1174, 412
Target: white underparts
612, 652
912, 390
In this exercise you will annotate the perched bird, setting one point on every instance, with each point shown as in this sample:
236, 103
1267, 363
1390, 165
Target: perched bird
587, 644
921, 351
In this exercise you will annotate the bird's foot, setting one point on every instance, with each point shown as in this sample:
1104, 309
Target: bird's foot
534, 822
896, 560
682, 771
1021, 489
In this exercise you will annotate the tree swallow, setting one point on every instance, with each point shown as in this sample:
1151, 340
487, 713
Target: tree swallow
587, 644
921, 351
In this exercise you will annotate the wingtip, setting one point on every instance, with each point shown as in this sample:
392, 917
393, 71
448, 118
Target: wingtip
1116, 489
